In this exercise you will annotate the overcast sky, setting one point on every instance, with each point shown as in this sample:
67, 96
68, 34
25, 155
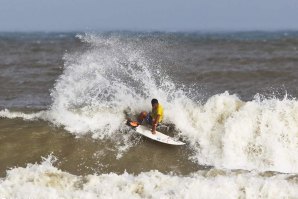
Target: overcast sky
163, 15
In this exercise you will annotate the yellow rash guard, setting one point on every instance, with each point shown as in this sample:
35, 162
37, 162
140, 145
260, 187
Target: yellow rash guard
158, 111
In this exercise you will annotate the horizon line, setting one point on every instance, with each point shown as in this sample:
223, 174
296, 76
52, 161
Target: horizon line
152, 31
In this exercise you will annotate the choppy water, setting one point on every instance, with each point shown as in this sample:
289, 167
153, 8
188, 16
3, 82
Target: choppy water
229, 96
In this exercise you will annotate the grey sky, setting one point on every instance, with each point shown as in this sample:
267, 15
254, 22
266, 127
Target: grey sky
169, 15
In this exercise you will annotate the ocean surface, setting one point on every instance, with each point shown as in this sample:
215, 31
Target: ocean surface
231, 96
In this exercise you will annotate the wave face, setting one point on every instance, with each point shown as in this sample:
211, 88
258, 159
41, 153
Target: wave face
46, 181
115, 74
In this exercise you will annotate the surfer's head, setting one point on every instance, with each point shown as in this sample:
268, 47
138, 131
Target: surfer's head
154, 103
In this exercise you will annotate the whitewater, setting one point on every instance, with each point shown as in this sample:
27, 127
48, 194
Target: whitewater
249, 148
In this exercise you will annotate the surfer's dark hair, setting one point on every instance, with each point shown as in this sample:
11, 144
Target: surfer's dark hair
154, 101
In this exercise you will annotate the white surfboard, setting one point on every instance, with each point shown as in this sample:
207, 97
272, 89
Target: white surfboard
160, 137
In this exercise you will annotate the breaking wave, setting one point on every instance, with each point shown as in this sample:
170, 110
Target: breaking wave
114, 76
46, 181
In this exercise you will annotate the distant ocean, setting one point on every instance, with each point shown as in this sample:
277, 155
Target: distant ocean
231, 96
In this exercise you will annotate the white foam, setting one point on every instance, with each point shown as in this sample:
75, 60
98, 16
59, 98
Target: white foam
46, 181
229, 133
26, 116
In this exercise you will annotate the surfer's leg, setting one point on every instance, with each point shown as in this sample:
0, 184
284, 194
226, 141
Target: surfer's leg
142, 116
149, 119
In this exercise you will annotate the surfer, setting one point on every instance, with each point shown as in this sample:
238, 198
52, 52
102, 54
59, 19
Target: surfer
154, 117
